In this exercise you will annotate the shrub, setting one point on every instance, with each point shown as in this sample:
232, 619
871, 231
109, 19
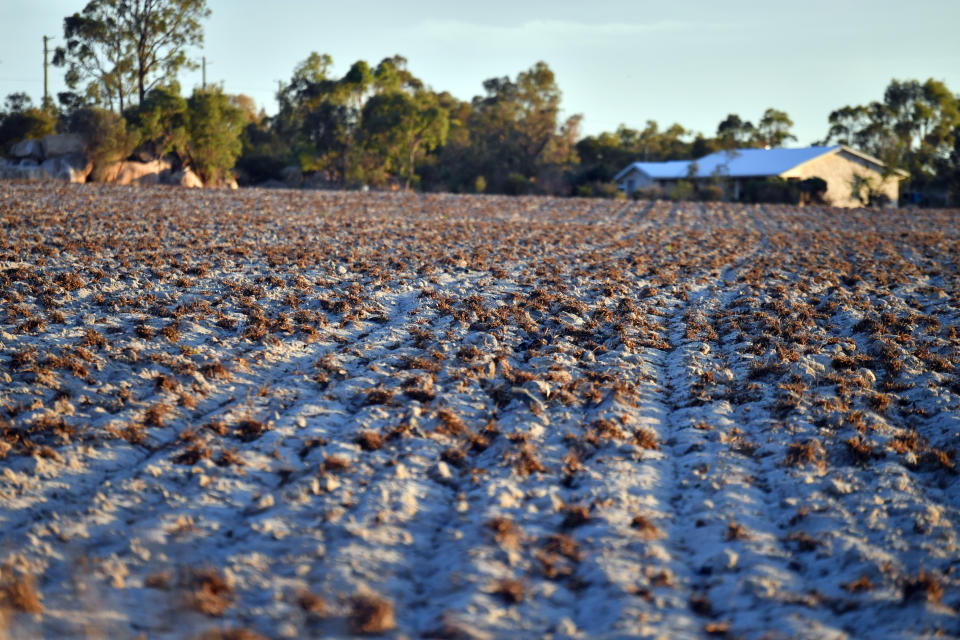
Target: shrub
214, 126
710, 193
106, 138
22, 121
682, 190
650, 193
517, 184
161, 122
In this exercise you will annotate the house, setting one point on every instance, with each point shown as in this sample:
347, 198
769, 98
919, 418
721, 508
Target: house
846, 171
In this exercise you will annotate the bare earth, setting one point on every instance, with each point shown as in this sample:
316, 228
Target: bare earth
302, 414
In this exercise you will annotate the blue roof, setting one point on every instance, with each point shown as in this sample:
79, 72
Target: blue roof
742, 163
738, 163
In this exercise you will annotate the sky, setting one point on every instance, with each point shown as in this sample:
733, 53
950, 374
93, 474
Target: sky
616, 62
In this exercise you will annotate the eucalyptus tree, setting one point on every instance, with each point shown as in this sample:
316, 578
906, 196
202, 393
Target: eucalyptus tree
122, 48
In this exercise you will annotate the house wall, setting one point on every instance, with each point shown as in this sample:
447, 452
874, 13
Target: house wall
635, 180
838, 169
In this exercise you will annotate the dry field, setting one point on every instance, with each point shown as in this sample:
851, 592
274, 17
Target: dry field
225, 414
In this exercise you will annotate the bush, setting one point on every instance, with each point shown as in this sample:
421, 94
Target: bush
710, 193
106, 138
517, 184
214, 126
682, 190
649, 193
813, 190
161, 121
265, 153
772, 190
21, 121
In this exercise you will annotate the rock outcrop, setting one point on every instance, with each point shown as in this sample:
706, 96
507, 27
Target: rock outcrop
62, 157
61, 144
28, 150
129, 172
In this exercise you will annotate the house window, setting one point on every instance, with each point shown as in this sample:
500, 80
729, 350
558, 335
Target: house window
630, 185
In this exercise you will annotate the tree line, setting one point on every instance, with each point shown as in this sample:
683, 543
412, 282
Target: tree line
381, 126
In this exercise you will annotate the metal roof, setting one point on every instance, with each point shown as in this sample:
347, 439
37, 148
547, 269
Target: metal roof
740, 163
743, 163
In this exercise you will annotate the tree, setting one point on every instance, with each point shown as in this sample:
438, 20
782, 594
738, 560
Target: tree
774, 128
214, 126
399, 128
124, 46
514, 130
97, 53
21, 120
162, 121
914, 128
733, 132
107, 139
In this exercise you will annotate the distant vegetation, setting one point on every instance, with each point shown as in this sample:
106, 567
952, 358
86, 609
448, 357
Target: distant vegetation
382, 127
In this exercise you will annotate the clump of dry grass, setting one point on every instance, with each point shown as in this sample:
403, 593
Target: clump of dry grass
18, 591
450, 423
862, 583
210, 593
377, 396
645, 527
371, 614
506, 532
860, 451
809, 451
334, 464
370, 440
924, 586
155, 414
736, 531
575, 515
214, 370
563, 545
249, 429
525, 461
511, 591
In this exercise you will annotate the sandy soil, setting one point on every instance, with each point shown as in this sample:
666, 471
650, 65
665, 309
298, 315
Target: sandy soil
293, 414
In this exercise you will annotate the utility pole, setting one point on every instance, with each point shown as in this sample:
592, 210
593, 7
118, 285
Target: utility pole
204, 73
46, 65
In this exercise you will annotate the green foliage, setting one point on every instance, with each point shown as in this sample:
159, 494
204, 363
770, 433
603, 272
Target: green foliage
779, 190
772, 130
649, 193
480, 184
214, 126
162, 122
514, 130
20, 121
106, 137
264, 153
682, 190
812, 190
867, 190
120, 48
603, 156
398, 128
914, 127
710, 192
516, 184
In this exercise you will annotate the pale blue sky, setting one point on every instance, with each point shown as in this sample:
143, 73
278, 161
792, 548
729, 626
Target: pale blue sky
616, 62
